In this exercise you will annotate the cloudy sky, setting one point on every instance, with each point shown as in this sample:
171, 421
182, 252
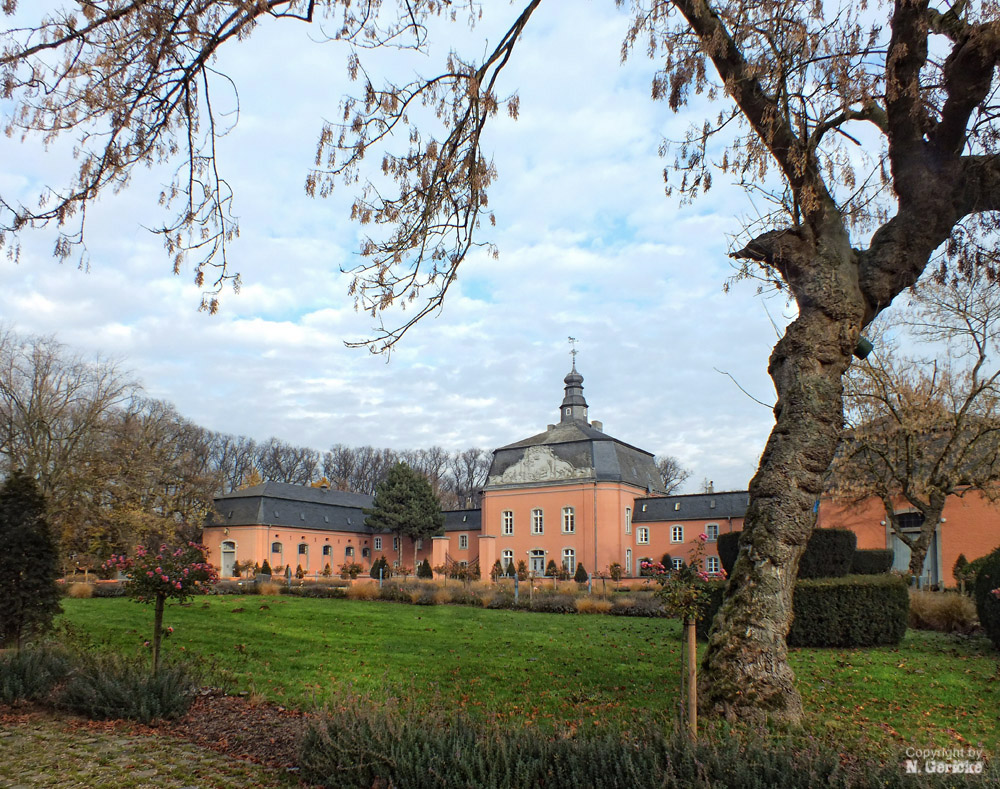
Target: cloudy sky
590, 247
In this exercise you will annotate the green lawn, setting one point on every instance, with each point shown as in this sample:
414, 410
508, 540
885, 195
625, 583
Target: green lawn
547, 669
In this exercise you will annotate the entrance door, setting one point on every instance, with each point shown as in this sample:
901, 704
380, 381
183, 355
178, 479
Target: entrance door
228, 558
910, 523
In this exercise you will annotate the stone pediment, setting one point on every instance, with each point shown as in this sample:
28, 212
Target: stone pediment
539, 464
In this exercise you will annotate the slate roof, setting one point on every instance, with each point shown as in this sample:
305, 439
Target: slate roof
692, 507
463, 520
292, 507
585, 448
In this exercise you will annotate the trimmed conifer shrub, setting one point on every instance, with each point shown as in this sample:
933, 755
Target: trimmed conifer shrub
509, 571
29, 567
728, 546
550, 569
987, 594
855, 611
265, 568
424, 570
871, 561
828, 554
581, 576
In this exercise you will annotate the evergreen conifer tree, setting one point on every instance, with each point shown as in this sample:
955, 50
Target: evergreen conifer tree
405, 505
425, 571
29, 565
581, 576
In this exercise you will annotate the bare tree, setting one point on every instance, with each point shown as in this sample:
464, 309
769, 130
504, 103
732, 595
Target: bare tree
926, 429
234, 457
279, 461
674, 475
469, 470
792, 88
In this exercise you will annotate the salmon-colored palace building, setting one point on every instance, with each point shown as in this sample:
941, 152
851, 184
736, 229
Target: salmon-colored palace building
572, 494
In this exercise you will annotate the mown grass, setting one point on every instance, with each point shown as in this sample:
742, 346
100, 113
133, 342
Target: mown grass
565, 671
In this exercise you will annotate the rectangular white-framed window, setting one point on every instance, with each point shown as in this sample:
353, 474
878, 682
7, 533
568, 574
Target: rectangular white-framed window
537, 521
569, 560
628, 520
676, 562
677, 533
507, 560
395, 543
507, 523
568, 520
463, 542
378, 543
712, 565
642, 536
712, 532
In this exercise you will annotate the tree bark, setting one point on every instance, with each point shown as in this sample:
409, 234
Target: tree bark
745, 672
157, 631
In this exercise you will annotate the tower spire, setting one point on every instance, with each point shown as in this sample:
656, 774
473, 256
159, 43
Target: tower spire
574, 406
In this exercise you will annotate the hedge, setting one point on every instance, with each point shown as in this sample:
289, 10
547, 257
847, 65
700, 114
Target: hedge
828, 554
855, 611
987, 603
871, 561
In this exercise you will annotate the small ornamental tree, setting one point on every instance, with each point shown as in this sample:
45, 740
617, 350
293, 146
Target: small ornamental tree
265, 568
581, 576
497, 571
685, 593
510, 571
168, 574
29, 598
550, 569
522, 570
424, 570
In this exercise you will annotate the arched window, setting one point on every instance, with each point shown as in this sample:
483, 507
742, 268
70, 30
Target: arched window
328, 550
275, 547
569, 560
568, 520
677, 533
349, 551
506, 560
537, 521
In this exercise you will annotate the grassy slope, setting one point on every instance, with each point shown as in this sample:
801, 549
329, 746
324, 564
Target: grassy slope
564, 669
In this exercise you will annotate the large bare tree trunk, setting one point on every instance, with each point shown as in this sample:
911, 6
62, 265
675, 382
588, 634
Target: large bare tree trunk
746, 672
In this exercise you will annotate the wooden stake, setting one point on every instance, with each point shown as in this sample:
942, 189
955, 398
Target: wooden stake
692, 679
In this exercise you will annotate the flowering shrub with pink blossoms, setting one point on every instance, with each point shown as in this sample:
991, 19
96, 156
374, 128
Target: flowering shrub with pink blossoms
684, 589
166, 574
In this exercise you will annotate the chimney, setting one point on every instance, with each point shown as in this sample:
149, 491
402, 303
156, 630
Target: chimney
711, 486
550, 427
597, 425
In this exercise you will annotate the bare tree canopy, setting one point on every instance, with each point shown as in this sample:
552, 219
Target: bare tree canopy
870, 127
922, 430
673, 473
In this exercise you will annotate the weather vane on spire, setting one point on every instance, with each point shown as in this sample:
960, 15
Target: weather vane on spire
574, 351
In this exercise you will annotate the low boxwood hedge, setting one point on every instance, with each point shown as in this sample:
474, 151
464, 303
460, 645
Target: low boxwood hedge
854, 611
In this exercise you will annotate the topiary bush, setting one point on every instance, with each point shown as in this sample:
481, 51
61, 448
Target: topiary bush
987, 593
728, 546
871, 561
828, 554
105, 687
265, 568
581, 576
855, 611
551, 570
424, 570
